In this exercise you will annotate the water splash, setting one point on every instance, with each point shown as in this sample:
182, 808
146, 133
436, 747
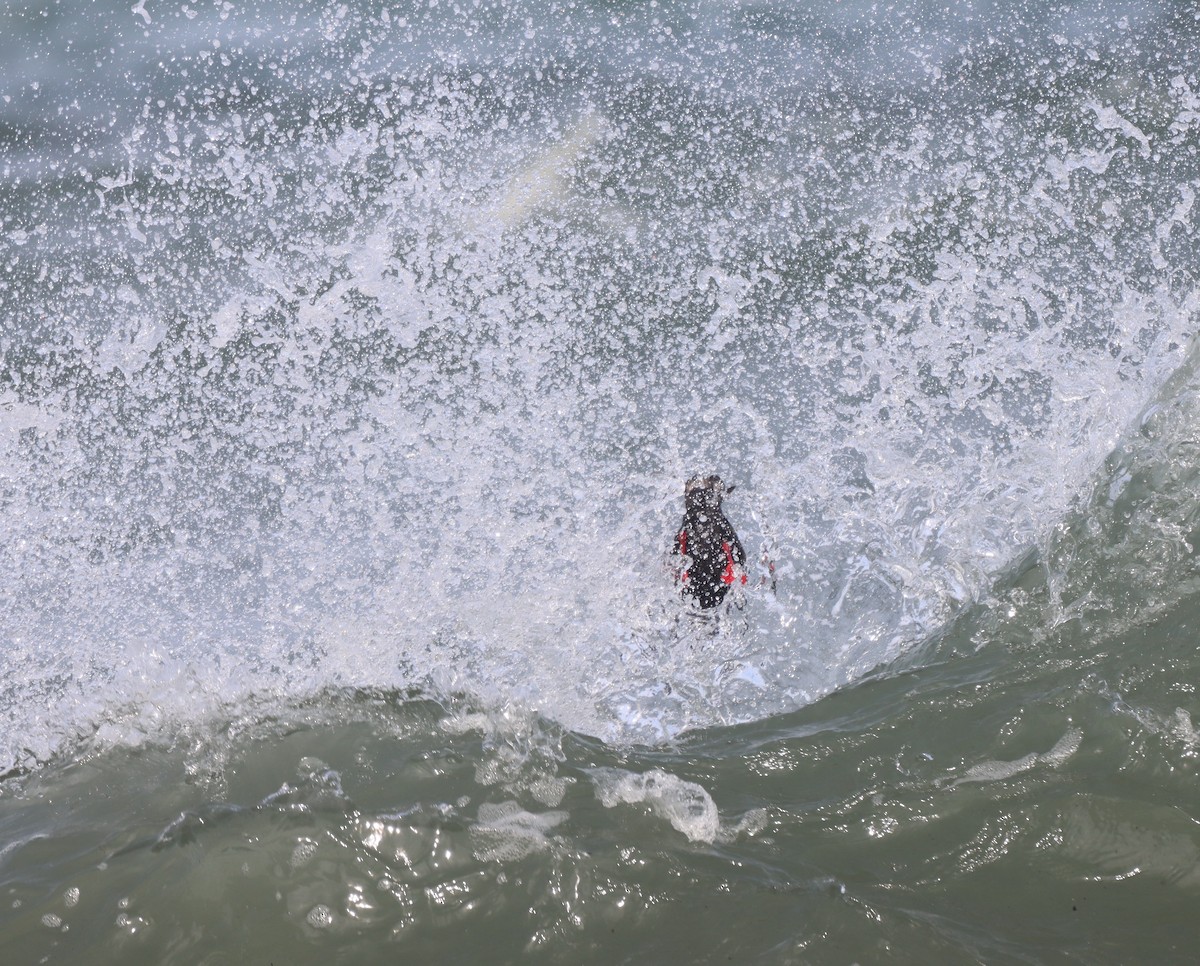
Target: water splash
372, 365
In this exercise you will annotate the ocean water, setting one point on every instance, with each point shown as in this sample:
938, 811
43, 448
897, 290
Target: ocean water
352, 359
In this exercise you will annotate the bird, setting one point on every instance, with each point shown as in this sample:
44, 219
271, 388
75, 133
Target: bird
711, 555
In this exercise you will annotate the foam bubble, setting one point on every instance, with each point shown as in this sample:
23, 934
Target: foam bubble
505, 832
1056, 757
686, 805
303, 852
750, 824
320, 917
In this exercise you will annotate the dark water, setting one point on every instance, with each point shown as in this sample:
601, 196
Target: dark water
352, 361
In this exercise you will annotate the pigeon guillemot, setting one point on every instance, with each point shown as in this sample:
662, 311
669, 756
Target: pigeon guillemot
711, 554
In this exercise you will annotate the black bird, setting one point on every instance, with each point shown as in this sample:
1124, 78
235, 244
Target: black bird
711, 553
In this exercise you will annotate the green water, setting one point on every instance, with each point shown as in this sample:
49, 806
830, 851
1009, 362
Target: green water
1022, 803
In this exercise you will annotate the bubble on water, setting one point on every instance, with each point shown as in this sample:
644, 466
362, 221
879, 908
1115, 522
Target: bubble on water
320, 917
303, 852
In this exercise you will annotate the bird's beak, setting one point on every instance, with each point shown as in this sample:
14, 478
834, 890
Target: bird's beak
729, 489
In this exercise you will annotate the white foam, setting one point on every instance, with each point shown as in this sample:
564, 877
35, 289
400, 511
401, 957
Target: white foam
16, 415
687, 806
505, 832
1056, 757
302, 854
320, 916
750, 824
1182, 729
459, 723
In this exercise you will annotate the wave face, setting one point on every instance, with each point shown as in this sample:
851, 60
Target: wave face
352, 349
352, 362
